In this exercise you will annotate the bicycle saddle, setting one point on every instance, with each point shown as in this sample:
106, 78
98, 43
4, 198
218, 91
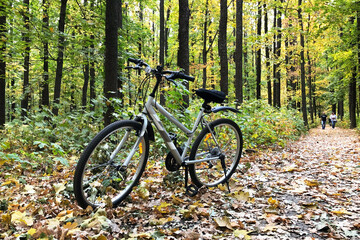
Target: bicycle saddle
211, 95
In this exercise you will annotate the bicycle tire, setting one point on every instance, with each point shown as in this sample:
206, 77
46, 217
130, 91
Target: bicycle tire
98, 179
211, 173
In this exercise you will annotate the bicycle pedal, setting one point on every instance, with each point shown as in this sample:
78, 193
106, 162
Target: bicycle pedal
191, 190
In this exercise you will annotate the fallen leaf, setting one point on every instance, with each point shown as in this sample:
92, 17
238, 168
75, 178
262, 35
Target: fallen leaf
223, 222
242, 234
21, 217
341, 212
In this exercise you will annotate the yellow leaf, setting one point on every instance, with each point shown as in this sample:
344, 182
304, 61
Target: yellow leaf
51, 29
101, 237
20, 217
31, 231
70, 225
341, 212
11, 180
176, 200
163, 207
242, 234
242, 196
6, 218
273, 202
312, 183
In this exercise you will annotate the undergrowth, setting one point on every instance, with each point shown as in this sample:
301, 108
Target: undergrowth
45, 139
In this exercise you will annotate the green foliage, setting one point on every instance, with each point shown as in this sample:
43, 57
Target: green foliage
263, 125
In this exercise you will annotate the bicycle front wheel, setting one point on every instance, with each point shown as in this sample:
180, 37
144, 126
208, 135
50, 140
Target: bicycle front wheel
111, 165
218, 150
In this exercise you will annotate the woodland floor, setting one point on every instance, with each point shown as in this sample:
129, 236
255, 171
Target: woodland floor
308, 190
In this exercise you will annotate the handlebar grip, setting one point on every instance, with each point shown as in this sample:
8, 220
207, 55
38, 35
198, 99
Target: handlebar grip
133, 60
186, 77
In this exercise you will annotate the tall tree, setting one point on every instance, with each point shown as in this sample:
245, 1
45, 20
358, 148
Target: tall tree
267, 57
162, 46
275, 65
302, 65
92, 64
45, 99
183, 36
60, 57
258, 54
111, 55
2, 63
277, 81
239, 52
26, 39
162, 34
222, 46
204, 51
352, 89
86, 66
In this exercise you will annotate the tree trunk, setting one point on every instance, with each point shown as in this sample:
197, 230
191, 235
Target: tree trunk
302, 67
86, 69
341, 109
204, 51
239, 53
111, 54
26, 38
162, 47
167, 32
222, 46
162, 34
92, 66
310, 88
60, 58
183, 36
246, 94
121, 63
274, 62
2, 65
141, 18
45, 98
352, 99
277, 86
267, 56
358, 45
258, 54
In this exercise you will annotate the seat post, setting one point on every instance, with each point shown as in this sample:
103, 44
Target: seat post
207, 107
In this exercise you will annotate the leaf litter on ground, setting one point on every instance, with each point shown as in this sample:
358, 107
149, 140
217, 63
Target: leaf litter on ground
307, 190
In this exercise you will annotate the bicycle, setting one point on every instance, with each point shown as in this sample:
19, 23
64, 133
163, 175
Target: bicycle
113, 162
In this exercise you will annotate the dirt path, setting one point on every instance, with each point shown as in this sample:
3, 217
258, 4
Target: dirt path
308, 190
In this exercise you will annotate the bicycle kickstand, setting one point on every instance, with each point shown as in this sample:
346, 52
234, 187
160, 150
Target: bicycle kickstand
190, 190
222, 159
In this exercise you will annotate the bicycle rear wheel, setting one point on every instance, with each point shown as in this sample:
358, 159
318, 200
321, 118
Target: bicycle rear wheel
224, 141
100, 175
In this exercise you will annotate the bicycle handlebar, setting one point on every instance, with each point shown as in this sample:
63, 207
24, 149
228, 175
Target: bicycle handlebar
173, 74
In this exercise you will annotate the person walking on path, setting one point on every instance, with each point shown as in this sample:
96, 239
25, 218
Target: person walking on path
323, 120
333, 119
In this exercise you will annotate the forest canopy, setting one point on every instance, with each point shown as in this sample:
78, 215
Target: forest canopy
298, 54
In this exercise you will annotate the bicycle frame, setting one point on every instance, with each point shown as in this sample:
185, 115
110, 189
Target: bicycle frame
149, 110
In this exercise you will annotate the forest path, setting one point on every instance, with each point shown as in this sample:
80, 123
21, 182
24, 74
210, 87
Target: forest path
310, 189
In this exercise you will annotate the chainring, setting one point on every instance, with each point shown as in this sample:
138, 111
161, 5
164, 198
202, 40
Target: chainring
170, 162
